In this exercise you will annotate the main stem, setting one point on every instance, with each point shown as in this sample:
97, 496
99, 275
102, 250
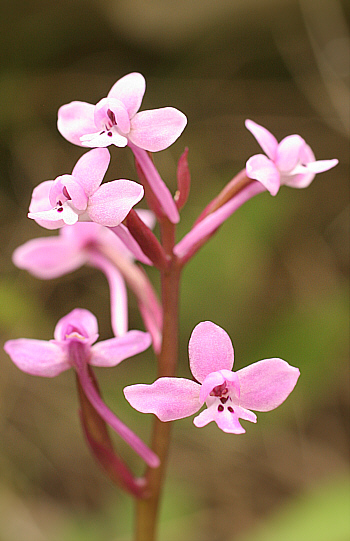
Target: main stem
147, 510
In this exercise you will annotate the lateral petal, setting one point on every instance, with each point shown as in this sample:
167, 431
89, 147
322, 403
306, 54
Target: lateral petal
37, 357
76, 119
157, 129
115, 350
48, 258
266, 384
167, 398
112, 202
40, 202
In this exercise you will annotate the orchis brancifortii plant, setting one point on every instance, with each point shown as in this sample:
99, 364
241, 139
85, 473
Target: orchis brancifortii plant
99, 226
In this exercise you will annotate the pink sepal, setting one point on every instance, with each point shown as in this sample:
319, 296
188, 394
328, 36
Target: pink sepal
48, 258
76, 119
167, 398
115, 350
266, 140
91, 168
210, 349
37, 357
260, 168
266, 384
157, 129
130, 90
111, 203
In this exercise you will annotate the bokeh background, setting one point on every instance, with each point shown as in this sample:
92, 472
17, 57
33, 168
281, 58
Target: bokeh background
275, 275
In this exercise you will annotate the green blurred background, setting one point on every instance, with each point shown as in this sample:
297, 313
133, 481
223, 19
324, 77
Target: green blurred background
275, 275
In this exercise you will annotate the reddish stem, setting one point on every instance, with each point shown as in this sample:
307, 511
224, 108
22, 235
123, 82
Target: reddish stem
147, 510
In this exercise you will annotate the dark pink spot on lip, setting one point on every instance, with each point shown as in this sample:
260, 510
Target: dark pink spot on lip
60, 209
109, 134
220, 408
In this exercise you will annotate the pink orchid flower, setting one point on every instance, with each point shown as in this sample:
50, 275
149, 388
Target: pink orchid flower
229, 396
80, 196
77, 245
73, 347
290, 162
115, 120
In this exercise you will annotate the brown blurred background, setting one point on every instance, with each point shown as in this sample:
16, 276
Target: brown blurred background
275, 276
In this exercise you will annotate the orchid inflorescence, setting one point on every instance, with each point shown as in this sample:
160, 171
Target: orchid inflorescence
99, 226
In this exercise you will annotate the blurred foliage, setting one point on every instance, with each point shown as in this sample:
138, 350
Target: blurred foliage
321, 514
275, 276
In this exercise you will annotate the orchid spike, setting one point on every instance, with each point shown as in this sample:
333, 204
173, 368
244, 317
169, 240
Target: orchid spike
80, 196
72, 347
114, 120
229, 396
290, 162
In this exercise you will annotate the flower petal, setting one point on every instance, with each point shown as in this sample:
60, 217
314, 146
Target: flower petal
110, 112
76, 119
157, 129
112, 202
304, 179
113, 351
67, 184
167, 398
266, 384
91, 168
79, 319
205, 417
215, 379
103, 139
245, 414
129, 90
320, 166
210, 349
40, 202
260, 168
212, 380
266, 140
56, 217
48, 258
228, 422
41, 197
288, 153
37, 357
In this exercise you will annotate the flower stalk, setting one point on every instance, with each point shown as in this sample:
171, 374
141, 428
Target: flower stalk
147, 509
